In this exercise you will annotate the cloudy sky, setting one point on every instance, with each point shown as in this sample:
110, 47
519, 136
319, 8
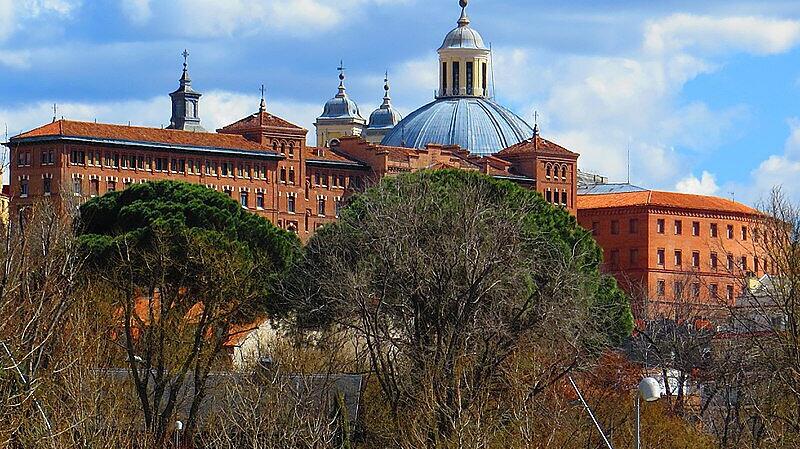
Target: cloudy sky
704, 95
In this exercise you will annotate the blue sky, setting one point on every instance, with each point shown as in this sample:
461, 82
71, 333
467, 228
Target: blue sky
706, 95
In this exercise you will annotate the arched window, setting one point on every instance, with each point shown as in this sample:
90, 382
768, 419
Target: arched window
283, 147
275, 146
291, 149
547, 169
564, 172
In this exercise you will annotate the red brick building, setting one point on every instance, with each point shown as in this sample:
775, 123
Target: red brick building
679, 255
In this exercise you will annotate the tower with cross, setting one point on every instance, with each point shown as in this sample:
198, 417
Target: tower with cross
340, 116
185, 102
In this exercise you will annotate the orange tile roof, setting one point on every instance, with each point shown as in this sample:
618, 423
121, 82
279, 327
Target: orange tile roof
539, 145
664, 199
69, 128
259, 120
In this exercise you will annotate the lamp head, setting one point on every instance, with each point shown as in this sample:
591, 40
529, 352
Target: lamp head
650, 389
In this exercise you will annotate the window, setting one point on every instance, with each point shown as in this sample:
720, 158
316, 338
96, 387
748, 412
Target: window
243, 199
633, 226
756, 265
456, 80
614, 227
112, 186
743, 263
661, 257
94, 187
291, 175
729, 295
470, 77
564, 197
132, 161
714, 261
283, 175
595, 227
714, 230
259, 200
696, 228
321, 206
547, 170
23, 188
341, 181
338, 205
713, 290
140, 163
730, 231
484, 78
678, 258
661, 287
291, 149
678, 227
47, 187
744, 233
634, 257
677, 288
77, 186
696, 290
563, 172
227, 169
241, 171
116, 161
615, 258
696, 259
290, 204
730, 262
209, 168
77, 157
444, 78
181, 165
660, 225
48, 157
548, 196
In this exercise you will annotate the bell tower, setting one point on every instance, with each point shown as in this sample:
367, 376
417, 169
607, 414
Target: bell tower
464, 61
185, 103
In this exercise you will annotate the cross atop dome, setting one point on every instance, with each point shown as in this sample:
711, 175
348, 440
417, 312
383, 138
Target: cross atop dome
185, 100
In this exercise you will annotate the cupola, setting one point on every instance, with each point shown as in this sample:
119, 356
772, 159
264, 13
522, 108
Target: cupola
185, 101
464, 61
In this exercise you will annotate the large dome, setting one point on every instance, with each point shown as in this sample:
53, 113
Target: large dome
477, 124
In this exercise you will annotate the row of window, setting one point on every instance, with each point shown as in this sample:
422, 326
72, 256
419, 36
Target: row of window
714, 262
678, 288
556, 197
554, 169
456, 77
633, 228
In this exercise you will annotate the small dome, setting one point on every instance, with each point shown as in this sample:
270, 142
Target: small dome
341, 106
463, 36
476, 124
385, 117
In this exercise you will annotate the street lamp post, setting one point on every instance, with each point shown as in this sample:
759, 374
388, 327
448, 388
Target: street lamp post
650, 390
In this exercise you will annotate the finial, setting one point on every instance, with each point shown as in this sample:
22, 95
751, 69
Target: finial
535, 124
55, 112
185, 55
263, 106
463, 20
341, 70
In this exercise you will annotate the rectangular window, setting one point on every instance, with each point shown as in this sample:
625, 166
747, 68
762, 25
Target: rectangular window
549, 196
456, 80
660, 226
338, 205
634, 257
341, 181
714, 261
730, 262
696, 259
678, 258
290, 204
444, 78
23, 188
260, 200
730, 232
564, 197
661, 257
713, 291
484, 78
714, 230
595, 227
291, 175
140, 162
614, 227
678, 227
470, 77
77, 186
94, 187
321, 206
47, 186
615, 258
132, 161
677, 288
661, 287
696, 290
696, 228
633, 226
112, 186
756, 266
78, 157
744, 233
116, 160
743, 263
729, 295
243, 199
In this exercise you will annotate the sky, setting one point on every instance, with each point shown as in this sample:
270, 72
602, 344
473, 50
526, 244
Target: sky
704, 96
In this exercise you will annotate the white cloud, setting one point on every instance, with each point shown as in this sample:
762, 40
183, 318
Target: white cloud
756, 35
705, 185
14, 13
781, 170
15, 59
137, 11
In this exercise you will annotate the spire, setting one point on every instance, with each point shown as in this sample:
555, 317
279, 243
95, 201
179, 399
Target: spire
463, 20
263, 106
185, 102
535, 124
341, 70
387, 100
185, 80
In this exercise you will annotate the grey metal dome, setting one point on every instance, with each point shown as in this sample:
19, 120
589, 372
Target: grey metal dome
463, 36
477, 124
385, 117
341, 106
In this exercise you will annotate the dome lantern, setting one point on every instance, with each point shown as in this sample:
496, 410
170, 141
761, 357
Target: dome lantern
464, 62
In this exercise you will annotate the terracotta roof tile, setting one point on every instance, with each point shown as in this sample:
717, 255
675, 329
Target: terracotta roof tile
258, 120
540, 145
664, 199
69, 128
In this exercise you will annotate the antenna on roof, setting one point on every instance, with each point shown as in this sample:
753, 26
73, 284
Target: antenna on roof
733, 196
129, 123
55, 112
263, 106
535, 124
629, 161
